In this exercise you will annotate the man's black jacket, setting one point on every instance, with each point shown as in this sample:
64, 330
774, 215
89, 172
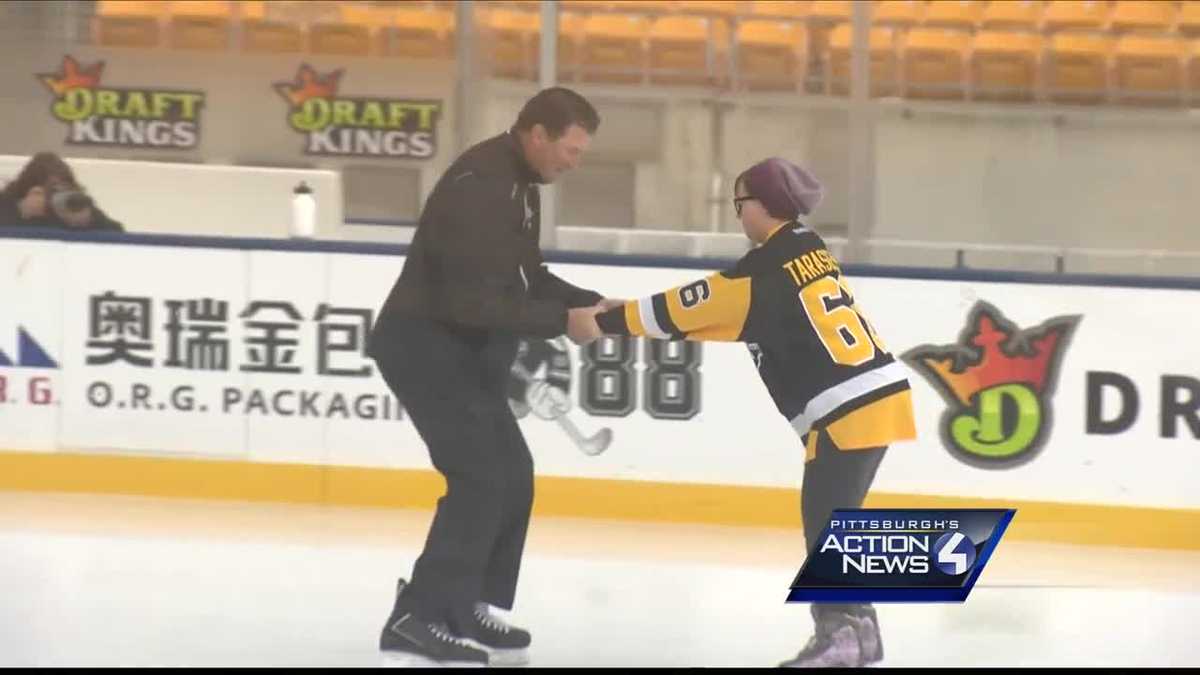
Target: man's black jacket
10, 216
474, 264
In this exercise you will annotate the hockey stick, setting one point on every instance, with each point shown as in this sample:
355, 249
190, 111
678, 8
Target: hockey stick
593, 445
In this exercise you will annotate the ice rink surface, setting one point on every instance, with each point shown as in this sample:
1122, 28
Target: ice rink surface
91, 580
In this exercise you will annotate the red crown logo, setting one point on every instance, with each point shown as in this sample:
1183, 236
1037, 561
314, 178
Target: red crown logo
309, 85
73, 77
994, 351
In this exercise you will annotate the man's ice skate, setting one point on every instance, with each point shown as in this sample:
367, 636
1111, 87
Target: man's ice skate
505, 645
410, 642
407, 641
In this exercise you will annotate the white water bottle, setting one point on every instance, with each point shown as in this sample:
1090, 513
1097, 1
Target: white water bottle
304, 212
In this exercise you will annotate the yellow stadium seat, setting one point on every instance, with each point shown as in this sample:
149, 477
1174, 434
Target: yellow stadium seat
647, 6
348, 39
263, 35
1075, 14
1011, 14
302, 12
897, 12
1189, 17
588, 5
420, 33
688, 50
1194, 71
963, 14
1149, 68
830, 10
129, 8
723, 8
517, 21
211, 33
570, 44
1152, 16
823, 16
1004, 65
250, 9
934, 63
784, 9
614, 48
128, 24
513, 45
200, 24
222, 8
1078, 67
376, 19
884, 68
771, 55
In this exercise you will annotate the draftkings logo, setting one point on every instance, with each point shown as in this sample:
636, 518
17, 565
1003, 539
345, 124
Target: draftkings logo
356, 126
997, 381
907, 555
128, 117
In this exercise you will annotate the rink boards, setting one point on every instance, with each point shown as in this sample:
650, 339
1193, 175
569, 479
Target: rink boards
235, 369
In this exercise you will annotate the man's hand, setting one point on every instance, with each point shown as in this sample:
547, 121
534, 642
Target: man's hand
581, 324
34, 204
610, 303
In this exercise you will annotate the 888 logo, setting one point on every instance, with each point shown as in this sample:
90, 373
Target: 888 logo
609, 378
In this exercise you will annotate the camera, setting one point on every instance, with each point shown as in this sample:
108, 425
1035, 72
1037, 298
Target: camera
66, 201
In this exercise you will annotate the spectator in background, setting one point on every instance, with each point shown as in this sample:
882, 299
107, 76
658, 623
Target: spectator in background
46, 194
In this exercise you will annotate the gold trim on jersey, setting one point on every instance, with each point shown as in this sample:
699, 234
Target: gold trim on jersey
717, 308
882, 422
810, 446
633, 318
650, 324
720, 317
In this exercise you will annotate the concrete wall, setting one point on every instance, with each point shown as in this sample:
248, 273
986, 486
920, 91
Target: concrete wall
1100, 183
1080, 180
814, 138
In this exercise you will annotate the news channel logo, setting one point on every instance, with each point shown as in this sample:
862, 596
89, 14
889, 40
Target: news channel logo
906, 555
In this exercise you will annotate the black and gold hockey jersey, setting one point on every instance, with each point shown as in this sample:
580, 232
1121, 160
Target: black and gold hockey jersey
822, 361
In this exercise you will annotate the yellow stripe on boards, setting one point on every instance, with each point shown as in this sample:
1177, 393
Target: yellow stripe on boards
560, 496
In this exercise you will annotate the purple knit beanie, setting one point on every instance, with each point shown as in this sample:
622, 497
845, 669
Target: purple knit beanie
784, 189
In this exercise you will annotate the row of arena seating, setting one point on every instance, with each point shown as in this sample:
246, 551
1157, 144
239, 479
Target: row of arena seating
941, 49
351, 26
1011, 65
1039, 15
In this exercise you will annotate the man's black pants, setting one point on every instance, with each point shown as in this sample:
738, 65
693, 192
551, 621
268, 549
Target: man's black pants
453, 387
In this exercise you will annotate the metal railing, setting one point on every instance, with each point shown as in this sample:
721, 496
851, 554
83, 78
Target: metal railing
897, 252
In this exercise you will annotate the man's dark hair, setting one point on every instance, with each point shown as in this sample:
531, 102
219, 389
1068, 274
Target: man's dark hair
556, 109
40, 169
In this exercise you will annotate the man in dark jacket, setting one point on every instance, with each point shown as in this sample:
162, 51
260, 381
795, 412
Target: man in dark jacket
473, 284
46, 194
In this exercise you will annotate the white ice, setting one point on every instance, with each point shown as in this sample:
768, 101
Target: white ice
125, 581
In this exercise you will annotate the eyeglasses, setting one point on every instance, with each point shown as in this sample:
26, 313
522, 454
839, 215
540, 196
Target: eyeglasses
737, 204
